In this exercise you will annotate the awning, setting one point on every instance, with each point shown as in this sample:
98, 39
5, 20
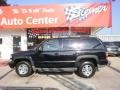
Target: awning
56, 15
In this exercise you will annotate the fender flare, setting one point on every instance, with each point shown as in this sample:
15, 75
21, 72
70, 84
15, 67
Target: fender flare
29, 59
79, 58
25, 57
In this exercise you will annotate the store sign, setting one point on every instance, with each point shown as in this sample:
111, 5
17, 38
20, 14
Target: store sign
61, 15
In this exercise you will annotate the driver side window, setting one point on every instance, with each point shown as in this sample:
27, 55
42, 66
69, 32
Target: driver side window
51, 45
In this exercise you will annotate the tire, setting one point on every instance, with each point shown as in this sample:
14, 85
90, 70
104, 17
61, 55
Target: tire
23, 69
86, 69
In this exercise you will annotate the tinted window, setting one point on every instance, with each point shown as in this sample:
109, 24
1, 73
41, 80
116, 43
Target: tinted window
51, 45
81, 43
66, 44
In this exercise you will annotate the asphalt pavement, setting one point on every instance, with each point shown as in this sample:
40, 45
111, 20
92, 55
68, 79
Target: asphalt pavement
107, 78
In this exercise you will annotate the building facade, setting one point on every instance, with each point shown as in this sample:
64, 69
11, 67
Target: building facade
12, 41
48, 21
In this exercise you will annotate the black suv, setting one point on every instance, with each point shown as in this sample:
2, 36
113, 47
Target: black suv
82, 55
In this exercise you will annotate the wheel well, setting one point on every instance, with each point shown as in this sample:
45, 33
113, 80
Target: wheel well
90, 60
19, 60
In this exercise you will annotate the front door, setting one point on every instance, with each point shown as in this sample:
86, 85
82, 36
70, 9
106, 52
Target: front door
16, 43
49, 57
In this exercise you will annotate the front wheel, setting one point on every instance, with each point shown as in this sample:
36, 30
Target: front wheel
86, 69
24, 69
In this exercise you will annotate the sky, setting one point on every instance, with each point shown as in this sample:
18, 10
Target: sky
114, 30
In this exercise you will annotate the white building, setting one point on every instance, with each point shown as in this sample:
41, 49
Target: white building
10, 39
109, 37
45, 18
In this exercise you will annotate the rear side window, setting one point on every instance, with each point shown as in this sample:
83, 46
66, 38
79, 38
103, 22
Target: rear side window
81, 43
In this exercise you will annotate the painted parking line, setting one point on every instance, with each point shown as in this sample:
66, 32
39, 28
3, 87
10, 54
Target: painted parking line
29, 79
27, 88
3, 76
115, 69
71, 83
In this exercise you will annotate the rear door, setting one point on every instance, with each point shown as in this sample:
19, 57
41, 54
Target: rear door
67, 53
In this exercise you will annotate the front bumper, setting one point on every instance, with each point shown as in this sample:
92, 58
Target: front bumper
11, 64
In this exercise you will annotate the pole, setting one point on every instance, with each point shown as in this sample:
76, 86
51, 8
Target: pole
69, 29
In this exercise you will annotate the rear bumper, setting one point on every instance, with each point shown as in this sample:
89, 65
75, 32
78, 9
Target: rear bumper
104, 63
109, 63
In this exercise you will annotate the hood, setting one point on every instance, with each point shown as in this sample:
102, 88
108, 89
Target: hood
30, 52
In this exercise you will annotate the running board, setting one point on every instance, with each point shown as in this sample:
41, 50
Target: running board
56, 69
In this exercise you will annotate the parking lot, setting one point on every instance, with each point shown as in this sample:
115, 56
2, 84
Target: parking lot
108, 78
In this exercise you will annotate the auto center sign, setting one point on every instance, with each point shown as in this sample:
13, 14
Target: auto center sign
56, 15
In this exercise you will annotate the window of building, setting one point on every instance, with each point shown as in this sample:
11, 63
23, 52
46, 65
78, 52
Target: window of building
0, 40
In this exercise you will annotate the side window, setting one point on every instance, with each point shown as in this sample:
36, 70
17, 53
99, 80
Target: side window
66, 44
81, 44
51, 45
92, 44
70, 44
100, 47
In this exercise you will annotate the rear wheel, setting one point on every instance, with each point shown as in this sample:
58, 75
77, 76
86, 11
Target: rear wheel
24, 69
86, 69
